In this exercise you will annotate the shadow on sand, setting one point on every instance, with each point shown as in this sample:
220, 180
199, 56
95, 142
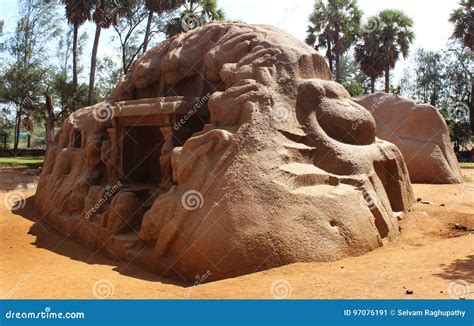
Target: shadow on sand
50, 239
459, 269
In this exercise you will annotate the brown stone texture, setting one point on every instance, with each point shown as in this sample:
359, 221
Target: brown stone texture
225, 150
421, 134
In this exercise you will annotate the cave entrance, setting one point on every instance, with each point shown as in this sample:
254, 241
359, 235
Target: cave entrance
387, 171
141, 154
76, 139
147, 130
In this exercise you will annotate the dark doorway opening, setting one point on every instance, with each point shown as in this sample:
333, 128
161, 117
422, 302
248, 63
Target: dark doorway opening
76, 139
141, 154
387, 171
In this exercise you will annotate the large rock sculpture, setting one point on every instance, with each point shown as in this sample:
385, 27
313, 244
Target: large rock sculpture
225, 150
421, 134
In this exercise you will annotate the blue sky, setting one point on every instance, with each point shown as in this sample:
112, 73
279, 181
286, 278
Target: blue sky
432, 28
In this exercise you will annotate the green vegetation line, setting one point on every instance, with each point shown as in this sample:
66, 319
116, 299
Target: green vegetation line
20, 161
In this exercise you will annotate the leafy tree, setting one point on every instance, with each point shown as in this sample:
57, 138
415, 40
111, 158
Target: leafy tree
22, 79
353, 88
109, 74
443, 80
369, 64
396, 90
68, 99
391, 37
459, 83
160, 7
459, 131
6, 125
20, 86
125, 30
69, 96
351, 72
77, 13
429, 75
368, 52
334, 26
129, 32
463, 20
104, 14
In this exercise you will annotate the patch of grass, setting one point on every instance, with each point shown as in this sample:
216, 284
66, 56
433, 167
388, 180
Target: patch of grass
21, 162
467, 164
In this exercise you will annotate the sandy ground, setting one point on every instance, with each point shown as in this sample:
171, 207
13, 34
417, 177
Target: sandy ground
434, 258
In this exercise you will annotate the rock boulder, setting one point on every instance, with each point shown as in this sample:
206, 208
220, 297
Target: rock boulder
421, 134
225, 150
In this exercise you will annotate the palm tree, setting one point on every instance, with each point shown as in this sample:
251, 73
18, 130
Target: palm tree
334, 26
105, 14
368, 65
159, 7
393, 36
77, 13
367, 54
463, 20
195, 13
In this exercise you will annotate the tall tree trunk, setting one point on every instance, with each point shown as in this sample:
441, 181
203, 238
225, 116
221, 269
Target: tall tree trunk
372, 85
471, 109
329, 55
147, 31
28, 142
93, 65
124, 60
387, 79
50, 119
74, 58
17, 129
338, 68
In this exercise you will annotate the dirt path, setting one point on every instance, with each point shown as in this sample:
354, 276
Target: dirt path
434, 258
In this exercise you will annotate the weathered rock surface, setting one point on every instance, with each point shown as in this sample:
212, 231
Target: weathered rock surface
421, 134
224, 151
